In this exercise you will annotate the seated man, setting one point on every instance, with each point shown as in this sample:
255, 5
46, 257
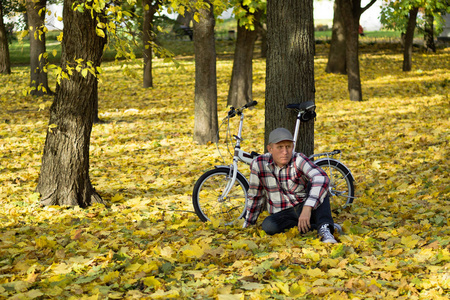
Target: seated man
294, 188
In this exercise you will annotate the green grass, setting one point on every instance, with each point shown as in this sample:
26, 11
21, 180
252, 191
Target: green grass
179, 46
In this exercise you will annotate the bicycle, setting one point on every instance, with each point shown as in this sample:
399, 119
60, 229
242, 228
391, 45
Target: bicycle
221, 193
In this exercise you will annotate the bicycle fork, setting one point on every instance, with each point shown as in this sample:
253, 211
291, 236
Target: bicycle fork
234, 167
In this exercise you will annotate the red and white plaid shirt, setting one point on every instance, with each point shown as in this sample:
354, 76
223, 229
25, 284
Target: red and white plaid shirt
283, 188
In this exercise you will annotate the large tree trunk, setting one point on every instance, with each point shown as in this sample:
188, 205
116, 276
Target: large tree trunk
38, 59
240, 91
150, 9
429, 32
64, 177
5, 63
290, 67
206, 123
409, 38
337, 56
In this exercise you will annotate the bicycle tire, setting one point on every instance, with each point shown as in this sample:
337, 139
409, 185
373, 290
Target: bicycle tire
342, 190
206, 196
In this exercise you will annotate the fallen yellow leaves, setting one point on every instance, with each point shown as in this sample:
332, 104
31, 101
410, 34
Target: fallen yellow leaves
150, 245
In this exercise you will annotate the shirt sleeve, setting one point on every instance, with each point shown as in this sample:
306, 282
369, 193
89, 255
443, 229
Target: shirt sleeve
318, 179
256, 195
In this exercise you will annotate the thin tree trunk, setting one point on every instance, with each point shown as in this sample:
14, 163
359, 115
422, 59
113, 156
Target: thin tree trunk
262, 34
290, 67
240, 91
350, 14
5, 63
337, 56
429, 32
64, 177
150, 9
409, 38
38, 59
206, 123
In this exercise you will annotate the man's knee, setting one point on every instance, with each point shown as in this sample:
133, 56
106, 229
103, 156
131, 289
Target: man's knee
270, 227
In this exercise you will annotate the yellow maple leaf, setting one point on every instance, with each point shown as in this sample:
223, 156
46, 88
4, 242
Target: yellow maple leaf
316, 272
152, 282
111, 276
336, 272
410, 241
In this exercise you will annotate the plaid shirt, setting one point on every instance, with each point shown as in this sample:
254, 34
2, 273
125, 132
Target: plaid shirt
283, 188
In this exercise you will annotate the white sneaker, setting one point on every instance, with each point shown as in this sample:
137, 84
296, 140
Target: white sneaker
325, 235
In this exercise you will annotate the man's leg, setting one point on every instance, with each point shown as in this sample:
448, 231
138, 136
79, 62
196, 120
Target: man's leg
280, 221
322, 215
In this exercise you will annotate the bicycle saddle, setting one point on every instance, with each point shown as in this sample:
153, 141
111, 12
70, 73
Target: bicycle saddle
302, 106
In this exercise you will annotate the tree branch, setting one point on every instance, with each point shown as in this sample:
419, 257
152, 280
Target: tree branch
363, 9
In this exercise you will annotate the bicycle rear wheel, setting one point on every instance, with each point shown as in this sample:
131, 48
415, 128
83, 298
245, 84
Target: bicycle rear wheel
342, 190
207, 196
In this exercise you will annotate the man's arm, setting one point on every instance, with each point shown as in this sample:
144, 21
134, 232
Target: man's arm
256, 196
318, 179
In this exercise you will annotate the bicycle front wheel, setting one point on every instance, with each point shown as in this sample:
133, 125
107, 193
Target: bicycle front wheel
209, 201
342, 191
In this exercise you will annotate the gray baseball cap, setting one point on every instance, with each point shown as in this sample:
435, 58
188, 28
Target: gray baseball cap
280, 134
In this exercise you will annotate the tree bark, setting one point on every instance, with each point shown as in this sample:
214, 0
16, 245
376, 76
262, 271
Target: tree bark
290, 67
64, 177
240, 91
351, 14
206, 123
38, 56
337, 56
262, 34
429, 32
148, 38
183, 20
5, 63
409, 38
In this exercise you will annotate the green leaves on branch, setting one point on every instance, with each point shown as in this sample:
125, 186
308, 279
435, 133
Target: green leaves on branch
245, 11
394, 13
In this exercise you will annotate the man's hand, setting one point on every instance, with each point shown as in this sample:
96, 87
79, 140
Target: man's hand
304, 221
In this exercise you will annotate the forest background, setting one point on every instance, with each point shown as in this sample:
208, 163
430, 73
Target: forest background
149, 243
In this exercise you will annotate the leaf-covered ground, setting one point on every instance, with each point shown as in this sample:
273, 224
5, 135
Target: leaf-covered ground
150, 244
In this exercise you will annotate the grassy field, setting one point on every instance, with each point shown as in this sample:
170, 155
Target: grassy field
179, 46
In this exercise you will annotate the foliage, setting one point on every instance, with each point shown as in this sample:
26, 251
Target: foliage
245, 10
394, 13
149, 244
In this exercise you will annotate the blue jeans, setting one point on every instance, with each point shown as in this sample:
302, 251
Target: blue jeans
288, 218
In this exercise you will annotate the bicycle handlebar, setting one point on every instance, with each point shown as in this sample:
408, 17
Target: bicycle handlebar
233, 111
250, 104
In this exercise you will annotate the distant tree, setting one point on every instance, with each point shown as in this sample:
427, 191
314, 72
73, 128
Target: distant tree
429, 31
5, 63
205, 115
409, 38
148, 36
290, 66
351, 12
36, 11
240, 91
337, 56
403, 15
64, 177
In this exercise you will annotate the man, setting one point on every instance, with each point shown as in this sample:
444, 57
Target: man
293, 188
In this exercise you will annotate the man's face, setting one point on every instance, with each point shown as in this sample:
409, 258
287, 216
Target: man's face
281, 152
